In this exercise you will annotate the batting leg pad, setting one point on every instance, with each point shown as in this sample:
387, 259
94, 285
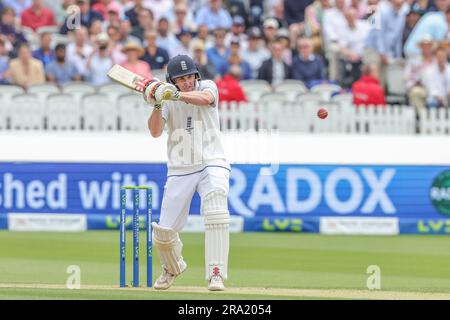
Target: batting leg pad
217, 234
168, 242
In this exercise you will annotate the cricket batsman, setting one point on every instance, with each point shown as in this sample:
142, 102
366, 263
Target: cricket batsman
188, 107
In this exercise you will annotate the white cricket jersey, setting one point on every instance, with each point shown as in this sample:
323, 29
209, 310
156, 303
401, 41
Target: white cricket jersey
193, 134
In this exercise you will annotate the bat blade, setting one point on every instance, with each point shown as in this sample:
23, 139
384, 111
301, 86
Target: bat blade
125, 77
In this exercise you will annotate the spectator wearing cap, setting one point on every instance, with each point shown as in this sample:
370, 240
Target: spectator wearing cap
205, 67
183, 47
146, 22
414, 69
229, 87
79, 50
24, 70
99, 62
432, 23
102, 7
204, 36
352, 48
115, 45
132, 13
334, 28
306, 66
44, 53
160, 8
183, 19
237, 33
37, 15
219, 53
256, 53
166, 39
436, 80
235, 58
134, 51
13, 35
112, 14
60, 71
214, 15
87, 16
314, 21
414, 14
17, 6
367, 90
4, 62
270, 27
155, 56
384, 42
274, 70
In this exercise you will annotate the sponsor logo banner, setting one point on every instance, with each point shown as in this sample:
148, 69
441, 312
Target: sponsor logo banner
359, 226
195, 223
46, 222
425, 226
282, 224
440, 193
256, 191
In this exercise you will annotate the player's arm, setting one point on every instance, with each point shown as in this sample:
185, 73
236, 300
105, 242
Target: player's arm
156, 122
198, 98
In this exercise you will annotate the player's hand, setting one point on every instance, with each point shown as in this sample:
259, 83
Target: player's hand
170, 92
140, 84
152, 91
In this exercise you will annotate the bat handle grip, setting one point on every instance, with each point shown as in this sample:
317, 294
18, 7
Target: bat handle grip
141, 85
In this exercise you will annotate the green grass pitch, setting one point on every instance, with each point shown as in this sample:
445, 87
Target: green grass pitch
261, 266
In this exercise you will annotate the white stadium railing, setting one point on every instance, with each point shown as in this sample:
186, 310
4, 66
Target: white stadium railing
79, 106
301, 117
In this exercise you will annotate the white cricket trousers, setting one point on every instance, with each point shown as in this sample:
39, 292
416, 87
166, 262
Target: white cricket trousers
179, 190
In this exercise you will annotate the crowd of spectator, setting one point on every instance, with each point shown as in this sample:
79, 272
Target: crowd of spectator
348, 42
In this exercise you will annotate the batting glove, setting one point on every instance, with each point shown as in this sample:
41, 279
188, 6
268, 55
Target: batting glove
170, 92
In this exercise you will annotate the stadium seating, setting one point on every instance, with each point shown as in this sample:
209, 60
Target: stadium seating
291, 89
254, 89
42, 91
345, 99
26, 113
62, 113
326, 90
98, 113
113, 91
306, 98
6, 92
77, 90
133, 113
112, 107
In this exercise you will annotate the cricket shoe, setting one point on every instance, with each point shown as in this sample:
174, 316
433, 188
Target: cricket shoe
216, 283
166, 279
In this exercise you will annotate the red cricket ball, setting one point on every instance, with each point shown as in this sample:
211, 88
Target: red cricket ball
322, 113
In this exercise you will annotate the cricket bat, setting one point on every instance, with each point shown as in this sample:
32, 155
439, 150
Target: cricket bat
126, 78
